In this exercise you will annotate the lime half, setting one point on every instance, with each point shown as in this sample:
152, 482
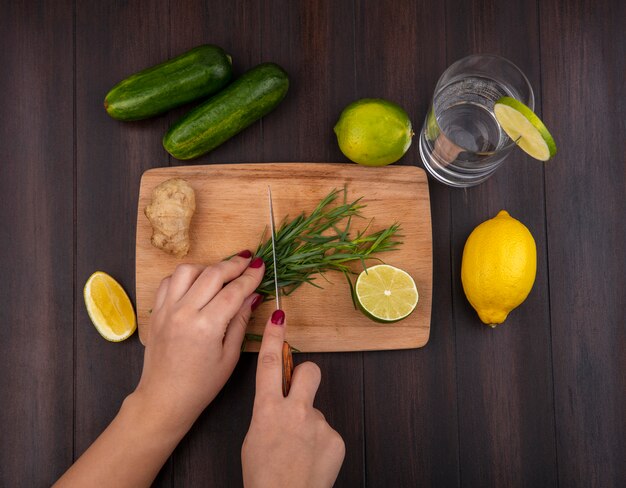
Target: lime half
385, 293
525, 128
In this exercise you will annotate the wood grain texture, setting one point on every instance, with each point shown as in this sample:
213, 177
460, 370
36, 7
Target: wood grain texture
113, 40
506, 420
234, 26
209, 454
306, 38
539, 402
314, 41
583, 74
410, 415
321, 319
36, 295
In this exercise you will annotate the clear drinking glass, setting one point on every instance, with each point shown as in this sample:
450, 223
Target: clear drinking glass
461, 142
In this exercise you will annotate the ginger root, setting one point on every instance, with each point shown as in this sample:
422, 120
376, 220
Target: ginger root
170, 211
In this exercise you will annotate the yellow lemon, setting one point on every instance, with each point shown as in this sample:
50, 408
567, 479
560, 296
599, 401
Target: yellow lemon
499, 267
373, 132
109, 307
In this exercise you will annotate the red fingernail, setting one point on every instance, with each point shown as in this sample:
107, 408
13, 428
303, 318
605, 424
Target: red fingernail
245, 254
278, 317
256, 302
256, 263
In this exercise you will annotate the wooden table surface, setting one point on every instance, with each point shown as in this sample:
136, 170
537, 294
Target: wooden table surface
540, 401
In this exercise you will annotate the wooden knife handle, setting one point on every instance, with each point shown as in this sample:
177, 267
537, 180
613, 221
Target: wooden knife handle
287, 368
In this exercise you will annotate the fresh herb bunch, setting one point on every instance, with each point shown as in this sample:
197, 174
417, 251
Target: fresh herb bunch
315, 244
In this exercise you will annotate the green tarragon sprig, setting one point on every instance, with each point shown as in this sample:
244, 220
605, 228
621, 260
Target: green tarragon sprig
320, 242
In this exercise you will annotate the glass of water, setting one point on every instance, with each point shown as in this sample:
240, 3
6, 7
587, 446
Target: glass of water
461, 142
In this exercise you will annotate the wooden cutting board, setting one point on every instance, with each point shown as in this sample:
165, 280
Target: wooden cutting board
232, 213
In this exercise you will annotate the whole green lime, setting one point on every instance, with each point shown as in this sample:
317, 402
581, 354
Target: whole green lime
373, 132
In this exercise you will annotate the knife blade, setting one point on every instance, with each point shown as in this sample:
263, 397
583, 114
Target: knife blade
273, 230
286, 355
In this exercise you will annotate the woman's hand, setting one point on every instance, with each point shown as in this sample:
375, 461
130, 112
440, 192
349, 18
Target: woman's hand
289, 442
197, 327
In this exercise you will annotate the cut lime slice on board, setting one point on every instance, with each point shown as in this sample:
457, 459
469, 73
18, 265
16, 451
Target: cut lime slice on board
385, 293
109, 307
525, 128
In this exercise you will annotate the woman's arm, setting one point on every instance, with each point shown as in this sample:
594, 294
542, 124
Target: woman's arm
132, 449
196, 329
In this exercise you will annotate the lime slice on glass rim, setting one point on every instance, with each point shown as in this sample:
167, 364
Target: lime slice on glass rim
385, 293
524, 127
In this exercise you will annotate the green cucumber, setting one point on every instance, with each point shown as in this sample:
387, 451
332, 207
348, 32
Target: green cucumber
233, 109
198, 73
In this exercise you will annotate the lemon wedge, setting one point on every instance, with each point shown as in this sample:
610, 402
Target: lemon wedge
109, 307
